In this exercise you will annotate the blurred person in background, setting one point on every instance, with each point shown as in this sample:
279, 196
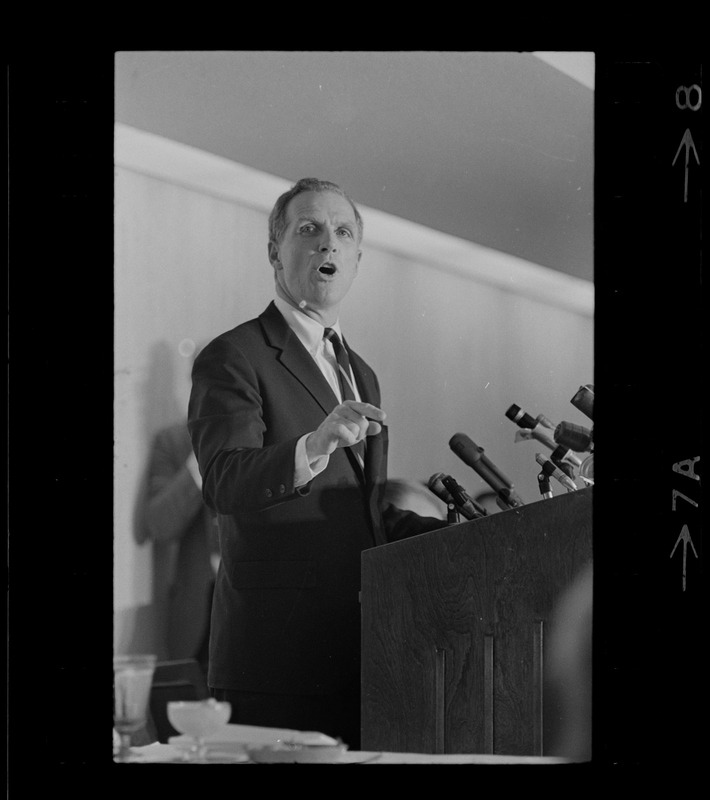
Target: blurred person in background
414, 496
175, 512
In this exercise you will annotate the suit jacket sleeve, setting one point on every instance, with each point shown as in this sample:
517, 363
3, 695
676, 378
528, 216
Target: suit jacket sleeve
245, 465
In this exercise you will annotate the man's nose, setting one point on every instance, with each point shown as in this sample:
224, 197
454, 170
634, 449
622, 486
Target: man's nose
328, 242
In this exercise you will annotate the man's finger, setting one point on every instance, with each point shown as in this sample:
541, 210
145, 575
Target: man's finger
373, 429
366, 410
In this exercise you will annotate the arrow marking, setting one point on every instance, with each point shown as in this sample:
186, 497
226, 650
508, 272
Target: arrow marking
687, 142
685, 538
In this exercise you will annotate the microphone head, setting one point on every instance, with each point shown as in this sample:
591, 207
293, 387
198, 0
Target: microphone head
446, 488
435, 484
458, 494
575, 437
460, 444
584, 400
513, 412
520, 417
435, 478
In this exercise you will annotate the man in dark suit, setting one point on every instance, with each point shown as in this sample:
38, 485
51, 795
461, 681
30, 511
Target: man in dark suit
296, 472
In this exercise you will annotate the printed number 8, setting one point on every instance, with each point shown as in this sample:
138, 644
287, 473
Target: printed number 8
687, 91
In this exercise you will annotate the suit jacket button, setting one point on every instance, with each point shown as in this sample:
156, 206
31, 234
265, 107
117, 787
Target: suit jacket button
282, 488
269, 493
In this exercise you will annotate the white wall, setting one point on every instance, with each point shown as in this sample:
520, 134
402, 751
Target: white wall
455, 331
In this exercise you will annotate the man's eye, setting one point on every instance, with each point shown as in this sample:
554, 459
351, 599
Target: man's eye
345, 232
307, 228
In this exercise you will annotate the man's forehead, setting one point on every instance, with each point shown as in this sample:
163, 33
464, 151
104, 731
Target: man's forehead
313, 205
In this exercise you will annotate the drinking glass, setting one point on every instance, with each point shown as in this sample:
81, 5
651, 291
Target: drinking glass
198, 719
132, 681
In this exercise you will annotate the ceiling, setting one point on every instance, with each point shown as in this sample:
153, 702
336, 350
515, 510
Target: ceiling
493, 147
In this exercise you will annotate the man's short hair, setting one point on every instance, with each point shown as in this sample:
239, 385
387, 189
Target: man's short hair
277, 218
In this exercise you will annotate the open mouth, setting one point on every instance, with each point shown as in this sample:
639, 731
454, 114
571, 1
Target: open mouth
326, 269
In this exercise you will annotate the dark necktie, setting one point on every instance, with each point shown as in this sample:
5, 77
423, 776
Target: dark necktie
344, 376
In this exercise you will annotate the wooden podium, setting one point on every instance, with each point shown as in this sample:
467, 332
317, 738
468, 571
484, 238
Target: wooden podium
453, 626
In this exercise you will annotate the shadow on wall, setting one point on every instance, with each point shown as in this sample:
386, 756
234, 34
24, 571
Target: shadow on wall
160, 406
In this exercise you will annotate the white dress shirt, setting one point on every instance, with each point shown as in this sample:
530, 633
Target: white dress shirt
310, 334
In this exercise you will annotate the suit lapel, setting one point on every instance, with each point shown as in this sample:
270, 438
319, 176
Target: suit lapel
296, 359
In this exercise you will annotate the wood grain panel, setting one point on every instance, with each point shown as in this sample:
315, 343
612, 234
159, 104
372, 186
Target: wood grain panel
465, 608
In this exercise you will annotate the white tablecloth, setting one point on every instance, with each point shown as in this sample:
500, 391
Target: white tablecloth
169, 753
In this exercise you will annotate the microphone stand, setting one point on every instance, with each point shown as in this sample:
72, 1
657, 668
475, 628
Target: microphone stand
543, 480
452, 515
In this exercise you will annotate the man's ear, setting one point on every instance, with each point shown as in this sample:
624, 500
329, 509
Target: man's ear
274, 256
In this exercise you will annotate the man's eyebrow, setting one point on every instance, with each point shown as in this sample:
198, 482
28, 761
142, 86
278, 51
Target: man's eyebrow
351, 225
306, 218
346, 223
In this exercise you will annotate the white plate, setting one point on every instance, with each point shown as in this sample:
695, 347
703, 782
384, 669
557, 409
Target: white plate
296, 754
236, 738
220, 757
213, 756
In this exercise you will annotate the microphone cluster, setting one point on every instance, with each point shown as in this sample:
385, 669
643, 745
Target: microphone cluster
565, 440
577, 437
542, 429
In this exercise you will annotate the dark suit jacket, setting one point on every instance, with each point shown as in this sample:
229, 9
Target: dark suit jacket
176, 513
286, 615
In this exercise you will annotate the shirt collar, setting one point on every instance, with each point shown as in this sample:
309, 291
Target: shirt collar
308, 330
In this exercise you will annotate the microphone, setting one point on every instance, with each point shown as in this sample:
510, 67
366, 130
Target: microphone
584, 400
549, 468
446, 489
474, 456
540, 428
557, 458
436, 485
468, 507
576, 437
